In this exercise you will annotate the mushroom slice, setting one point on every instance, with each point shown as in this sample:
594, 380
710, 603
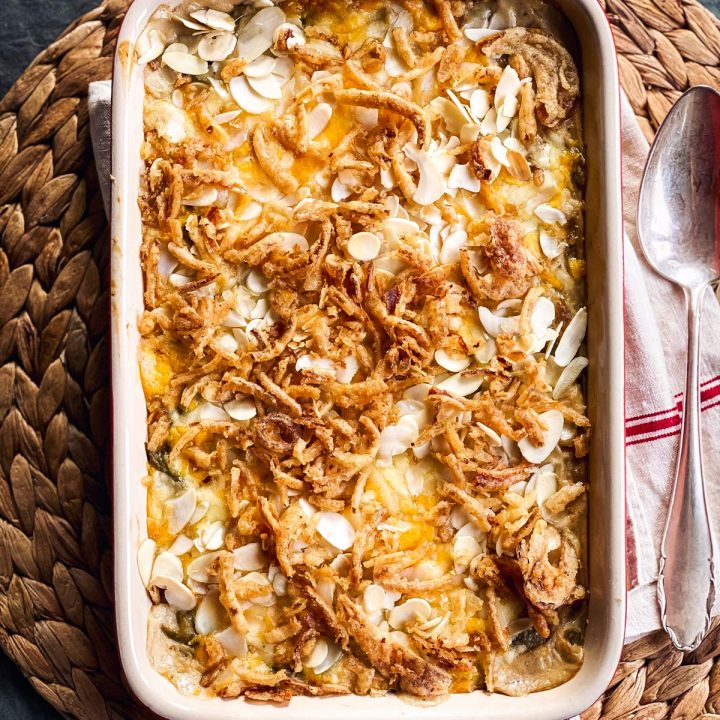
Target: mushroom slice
180, 509
184, 62
571, 339
553, 420
176, 594
216, 46
211, 616
335, 529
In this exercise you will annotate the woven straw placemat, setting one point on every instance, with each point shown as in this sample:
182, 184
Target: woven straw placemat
56, 611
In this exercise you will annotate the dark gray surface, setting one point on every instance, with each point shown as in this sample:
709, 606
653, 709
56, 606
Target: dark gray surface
26, 27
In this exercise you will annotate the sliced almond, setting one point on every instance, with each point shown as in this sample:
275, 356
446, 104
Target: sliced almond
199, 568
315, 364
213, 536
462, 179
246, 97
289, 35
181, 545
214, 19
571, 339
411, 611
395, 440
550, 215
257, 35
451, 363
233, 642
167, 565
518, 166
551, 246
184, 63
318, 655
217, 46
179, 510
431, 186
260, 66
203, 196
346, 372
241, 410
364, 246
494, 438
318, 119
461, 385
339, 191
495, 325
211, 616
176, 594
250, 557
479, 103
568, 376
290, 241
200, 512
145, 560
334, 653
451, 247
149, 45
542, 317
373, 598
553, 420
464, 549
478, 34
267, 86
336, 529
256, 282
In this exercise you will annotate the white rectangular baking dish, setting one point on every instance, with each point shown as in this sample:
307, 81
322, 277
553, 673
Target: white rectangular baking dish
606, 409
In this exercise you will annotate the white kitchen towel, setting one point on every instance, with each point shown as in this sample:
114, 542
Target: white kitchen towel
655, 331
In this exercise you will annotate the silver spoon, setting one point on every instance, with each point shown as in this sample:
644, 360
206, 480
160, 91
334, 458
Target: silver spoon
679, 229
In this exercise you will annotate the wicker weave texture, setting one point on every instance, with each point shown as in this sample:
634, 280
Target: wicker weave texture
56, 615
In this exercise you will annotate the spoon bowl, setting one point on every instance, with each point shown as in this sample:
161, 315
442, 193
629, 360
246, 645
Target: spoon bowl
679, 205
679, 230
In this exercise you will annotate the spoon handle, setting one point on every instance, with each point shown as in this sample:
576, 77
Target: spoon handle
686, 585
